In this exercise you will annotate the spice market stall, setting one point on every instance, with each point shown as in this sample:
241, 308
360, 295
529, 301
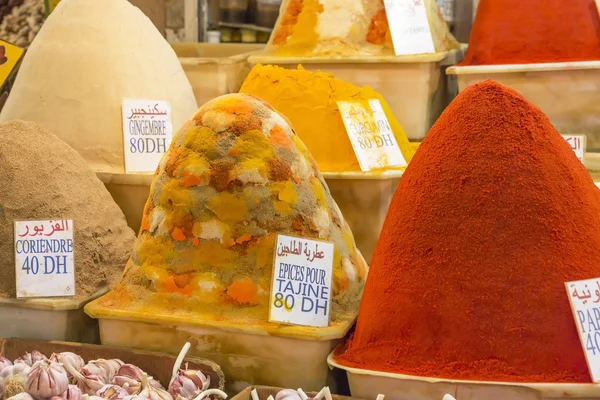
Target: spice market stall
478, 243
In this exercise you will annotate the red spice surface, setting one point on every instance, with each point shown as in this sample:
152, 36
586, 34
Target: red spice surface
492, 216
534, 31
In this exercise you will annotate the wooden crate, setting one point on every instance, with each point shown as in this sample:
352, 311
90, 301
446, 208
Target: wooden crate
157, 365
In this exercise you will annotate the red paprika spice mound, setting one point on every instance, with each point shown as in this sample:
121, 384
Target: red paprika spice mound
534, 31
492, 216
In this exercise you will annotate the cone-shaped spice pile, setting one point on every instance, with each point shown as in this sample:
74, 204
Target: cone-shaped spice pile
534, 31
492, 216
235, 177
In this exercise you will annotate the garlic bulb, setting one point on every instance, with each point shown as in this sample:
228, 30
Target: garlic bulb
46, 379
149, 392
92, 397
106, 369
89, 384
12, 379
287, 394
189, 383
4, 362
67, 357
112, 392
72, 393
129, 378
31, 358
21, 396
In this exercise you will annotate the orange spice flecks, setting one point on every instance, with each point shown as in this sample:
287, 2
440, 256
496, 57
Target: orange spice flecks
279, 138
243, 239
243, 291
290, 18
190, 180
178, 234
169, 285
378, 28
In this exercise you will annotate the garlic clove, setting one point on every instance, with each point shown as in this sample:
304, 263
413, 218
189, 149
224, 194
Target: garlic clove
72, 393
91, 397
189, 384
4, 362
68, 357
112, 392
211, 392
46, 379
89, 384
129, 378
106, 369
31, 358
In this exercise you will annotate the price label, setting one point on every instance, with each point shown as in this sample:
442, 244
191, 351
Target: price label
50, 5
371, 136
147, 133
584, 297
44, 258
301, 287
577, 143
409, 26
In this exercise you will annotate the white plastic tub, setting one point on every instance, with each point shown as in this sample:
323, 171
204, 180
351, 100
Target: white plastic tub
367, 384
569, 93
247, 355
413, 86
364, 199
48, 319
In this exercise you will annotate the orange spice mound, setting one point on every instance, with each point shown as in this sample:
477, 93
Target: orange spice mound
379, 30
288, 20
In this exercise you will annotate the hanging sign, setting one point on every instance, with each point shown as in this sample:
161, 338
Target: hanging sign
584, 297
409, 26
577, 143
301, 287
371, 136
44, 258
147, 133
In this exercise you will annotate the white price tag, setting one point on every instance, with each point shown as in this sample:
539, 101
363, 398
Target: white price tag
409, 26
301, 287
44, 258
371, 136
147, 133
577, 143
584, 297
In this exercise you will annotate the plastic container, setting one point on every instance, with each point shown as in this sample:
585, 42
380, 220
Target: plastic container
412, 85
364, 198
367, 384
48, 319
215, 69
569, 93
233, 11
267, 12
247, 355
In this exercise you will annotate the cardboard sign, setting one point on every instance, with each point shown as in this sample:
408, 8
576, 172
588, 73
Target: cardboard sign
44, 258
301, 287
50, 5
577, 143
147, 133
371, 136
584, 297
409, 26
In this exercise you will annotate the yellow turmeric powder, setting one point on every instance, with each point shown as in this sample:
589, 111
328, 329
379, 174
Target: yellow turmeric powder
309, 101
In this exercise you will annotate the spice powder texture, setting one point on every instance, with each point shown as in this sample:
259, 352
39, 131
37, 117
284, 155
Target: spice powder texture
493, 215
42, 178
534, 31
309, 101
234, 177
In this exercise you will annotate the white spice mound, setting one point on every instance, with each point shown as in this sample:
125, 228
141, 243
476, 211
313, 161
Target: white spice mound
42, 178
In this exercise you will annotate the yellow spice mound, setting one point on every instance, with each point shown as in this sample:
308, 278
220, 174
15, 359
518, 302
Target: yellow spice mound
234, 177
309, 101
344, 28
